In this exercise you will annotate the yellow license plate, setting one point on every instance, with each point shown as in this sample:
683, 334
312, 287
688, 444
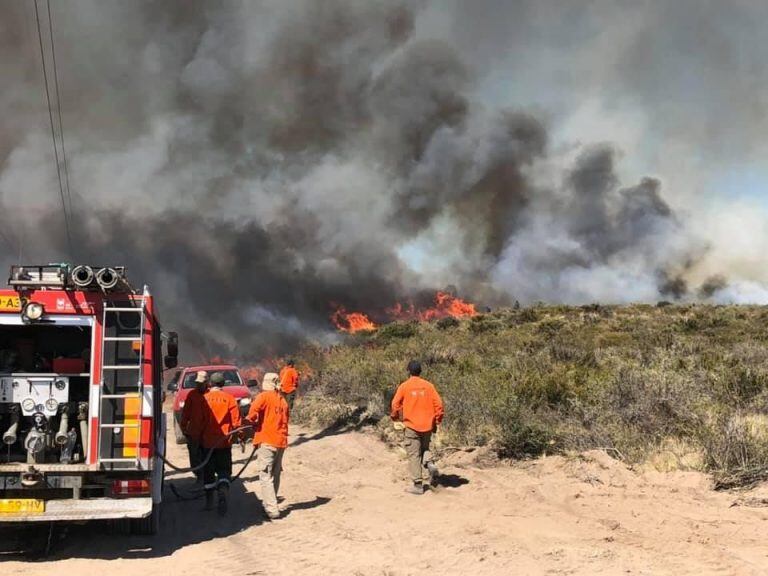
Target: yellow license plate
22, 506
10, 304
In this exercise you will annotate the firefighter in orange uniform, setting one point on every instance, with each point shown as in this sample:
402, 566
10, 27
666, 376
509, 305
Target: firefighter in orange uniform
289, 382
222, 418
269, 415
193, 420
420, 408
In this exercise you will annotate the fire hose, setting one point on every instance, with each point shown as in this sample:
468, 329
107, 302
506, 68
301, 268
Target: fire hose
198, 492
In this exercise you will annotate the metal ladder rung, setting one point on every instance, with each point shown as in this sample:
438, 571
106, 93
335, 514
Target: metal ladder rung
138, 367
124, 367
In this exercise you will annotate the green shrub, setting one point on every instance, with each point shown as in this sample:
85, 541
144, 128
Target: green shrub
447, 322
321, 412
736, 449
520, 433
557, 378
551, 326
397, 330
527, 315
484, 323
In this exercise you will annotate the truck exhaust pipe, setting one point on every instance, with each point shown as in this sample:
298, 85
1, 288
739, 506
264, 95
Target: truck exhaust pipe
107, 278
11, 435
61, 435
82, 276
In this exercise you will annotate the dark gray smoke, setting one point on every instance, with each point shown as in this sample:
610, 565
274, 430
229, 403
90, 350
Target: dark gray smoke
258, 163
712, 286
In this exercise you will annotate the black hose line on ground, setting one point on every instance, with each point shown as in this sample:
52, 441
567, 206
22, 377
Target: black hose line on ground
207, 456
198, 492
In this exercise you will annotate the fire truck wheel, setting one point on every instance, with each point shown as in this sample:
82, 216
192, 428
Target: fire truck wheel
148, 526
180, 438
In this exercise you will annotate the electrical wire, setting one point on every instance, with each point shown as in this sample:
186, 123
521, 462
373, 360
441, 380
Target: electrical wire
58, 106
53, 133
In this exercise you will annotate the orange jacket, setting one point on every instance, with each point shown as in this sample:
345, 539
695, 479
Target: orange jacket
289, 379
222, 417
420, 404
269, 413
193, 415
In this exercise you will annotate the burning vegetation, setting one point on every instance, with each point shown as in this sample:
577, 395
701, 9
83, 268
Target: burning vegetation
351, 321
445, 305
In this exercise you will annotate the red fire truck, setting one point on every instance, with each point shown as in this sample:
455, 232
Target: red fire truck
81, 417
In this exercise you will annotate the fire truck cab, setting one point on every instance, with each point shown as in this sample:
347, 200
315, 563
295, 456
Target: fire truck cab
81, 422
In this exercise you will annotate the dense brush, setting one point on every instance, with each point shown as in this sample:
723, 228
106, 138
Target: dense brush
637, 380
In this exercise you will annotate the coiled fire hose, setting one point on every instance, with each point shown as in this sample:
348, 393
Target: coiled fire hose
199, 491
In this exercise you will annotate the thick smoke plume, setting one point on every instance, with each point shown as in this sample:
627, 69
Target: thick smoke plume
257, 163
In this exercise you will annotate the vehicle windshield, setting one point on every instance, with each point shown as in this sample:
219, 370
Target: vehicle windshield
231, 378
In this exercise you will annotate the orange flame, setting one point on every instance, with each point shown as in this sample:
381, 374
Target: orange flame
449, 305
445, 304
257, 370
351, 321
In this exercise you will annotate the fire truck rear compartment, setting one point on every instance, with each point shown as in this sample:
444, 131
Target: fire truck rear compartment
76, 483
44, 393
75, 345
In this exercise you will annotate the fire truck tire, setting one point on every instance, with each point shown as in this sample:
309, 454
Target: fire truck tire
148, 526
180, 438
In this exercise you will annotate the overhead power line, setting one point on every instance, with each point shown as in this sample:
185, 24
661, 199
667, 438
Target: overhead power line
58, 106
53, 133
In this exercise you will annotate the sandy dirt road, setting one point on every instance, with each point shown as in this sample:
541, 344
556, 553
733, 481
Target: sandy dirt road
347, 514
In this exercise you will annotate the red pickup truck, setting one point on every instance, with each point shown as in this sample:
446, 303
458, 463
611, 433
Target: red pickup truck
183, 381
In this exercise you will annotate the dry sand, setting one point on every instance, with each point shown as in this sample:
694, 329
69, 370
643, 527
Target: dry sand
347, 514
